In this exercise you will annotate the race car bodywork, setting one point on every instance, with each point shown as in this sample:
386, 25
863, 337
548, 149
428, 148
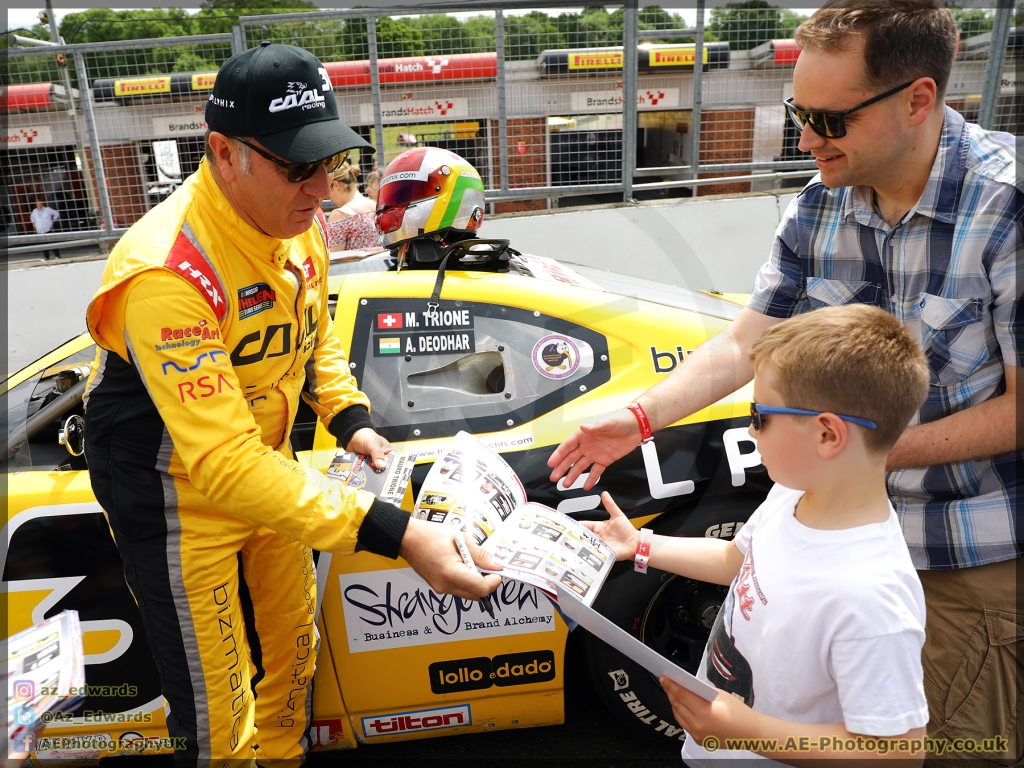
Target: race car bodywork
520, 358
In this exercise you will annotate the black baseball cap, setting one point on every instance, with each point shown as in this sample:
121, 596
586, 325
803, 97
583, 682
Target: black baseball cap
281, 96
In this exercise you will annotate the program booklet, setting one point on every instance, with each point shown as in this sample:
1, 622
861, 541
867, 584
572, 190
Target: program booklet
45, 672
471, 488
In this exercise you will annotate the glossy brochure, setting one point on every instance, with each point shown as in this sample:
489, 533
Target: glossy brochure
471, 488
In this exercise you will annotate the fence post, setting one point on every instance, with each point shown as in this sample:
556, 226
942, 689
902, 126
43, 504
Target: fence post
994, 66
630, 76
237, 40
499, 38
85, 91
378, 119
698, 84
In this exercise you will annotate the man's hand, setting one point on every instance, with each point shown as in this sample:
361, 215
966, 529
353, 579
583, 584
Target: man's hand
368, 442
600, 443
724, 718
430, 549
617, 532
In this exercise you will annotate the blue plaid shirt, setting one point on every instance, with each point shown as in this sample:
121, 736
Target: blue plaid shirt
951, 272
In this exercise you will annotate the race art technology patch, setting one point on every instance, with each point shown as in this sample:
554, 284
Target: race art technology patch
556, 357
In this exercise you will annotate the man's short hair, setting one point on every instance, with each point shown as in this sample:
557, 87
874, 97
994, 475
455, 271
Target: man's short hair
855, 360
243, 152
903, 39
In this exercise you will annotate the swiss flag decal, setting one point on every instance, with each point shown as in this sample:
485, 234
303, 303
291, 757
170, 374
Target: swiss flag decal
389, 322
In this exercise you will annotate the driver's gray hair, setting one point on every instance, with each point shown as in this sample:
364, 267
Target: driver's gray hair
244, 155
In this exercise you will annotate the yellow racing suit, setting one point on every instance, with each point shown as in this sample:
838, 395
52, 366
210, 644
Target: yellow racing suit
208, 330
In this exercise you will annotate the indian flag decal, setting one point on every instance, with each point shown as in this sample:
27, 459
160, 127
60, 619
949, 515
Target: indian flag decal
391, 346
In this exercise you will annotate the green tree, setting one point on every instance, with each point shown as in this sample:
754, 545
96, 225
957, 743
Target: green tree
973, 21
527, 35
441, 34
749, 24
218, 16
593, 28
652, 18
480, 31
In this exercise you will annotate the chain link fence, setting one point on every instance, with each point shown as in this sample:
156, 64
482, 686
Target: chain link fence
537, 95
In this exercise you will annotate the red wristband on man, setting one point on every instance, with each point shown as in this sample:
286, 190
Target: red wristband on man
646, 435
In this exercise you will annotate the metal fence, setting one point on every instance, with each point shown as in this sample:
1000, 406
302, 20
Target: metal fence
536, 95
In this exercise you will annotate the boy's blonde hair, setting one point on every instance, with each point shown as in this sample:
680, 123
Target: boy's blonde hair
855, 360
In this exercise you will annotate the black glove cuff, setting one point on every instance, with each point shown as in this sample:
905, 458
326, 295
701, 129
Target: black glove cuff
349, 421
382, 529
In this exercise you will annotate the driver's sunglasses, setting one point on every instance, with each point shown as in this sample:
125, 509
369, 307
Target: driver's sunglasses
299, 171
758, 412
832, 125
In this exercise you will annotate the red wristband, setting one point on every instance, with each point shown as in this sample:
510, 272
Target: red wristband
646, 435
643, 550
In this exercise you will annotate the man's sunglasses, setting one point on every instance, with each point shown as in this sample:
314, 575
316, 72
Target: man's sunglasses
832, 125
299, 171
758, 412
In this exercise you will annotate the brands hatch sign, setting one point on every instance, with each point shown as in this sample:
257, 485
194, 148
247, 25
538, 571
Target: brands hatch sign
611, 101
412, 111
179, 125
397, 609
29, 136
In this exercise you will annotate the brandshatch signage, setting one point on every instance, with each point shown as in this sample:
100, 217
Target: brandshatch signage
408, 111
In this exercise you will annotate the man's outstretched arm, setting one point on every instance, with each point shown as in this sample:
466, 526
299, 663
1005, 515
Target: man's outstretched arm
716, 368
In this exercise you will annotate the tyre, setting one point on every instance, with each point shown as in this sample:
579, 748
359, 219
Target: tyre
672, 614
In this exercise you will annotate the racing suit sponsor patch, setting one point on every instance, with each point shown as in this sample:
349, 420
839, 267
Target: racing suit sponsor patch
186, 260
254, 299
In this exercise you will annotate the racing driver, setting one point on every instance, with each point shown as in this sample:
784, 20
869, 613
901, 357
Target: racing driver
211, 319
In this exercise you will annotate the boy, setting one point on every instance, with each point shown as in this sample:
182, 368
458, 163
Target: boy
819, 639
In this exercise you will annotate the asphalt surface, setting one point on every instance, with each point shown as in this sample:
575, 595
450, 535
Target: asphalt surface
590, 735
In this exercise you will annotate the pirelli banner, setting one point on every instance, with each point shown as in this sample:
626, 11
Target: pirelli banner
662, 58
343, 74
157, 85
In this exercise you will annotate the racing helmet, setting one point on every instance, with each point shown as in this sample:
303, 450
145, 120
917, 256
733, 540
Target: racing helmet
428, 191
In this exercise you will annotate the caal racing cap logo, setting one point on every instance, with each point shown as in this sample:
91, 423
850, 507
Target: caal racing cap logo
298, 96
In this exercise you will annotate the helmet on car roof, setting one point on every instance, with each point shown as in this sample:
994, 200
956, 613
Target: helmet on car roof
428, 192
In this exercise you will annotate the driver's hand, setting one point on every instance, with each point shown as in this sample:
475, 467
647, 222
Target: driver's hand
430, 549
368, 442
599, 444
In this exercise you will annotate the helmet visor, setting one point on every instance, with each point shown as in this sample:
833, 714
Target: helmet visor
404, 187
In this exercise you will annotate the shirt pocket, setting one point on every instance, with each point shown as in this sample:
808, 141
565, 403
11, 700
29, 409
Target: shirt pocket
953, 337
836, 293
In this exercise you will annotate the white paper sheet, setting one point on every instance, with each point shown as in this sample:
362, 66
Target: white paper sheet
624, 642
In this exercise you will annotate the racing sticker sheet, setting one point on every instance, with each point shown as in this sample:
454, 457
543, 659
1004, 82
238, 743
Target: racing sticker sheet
473, 489
387, 484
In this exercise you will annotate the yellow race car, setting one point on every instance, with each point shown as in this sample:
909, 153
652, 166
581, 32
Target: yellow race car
519, 352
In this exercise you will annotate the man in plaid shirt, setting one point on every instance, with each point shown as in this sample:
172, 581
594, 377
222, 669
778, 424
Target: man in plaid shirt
919, 213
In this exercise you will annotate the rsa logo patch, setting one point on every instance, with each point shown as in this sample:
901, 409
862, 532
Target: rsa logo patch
421, 720
481, 672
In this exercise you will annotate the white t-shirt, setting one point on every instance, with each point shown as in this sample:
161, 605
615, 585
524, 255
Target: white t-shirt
43, 218
820, 627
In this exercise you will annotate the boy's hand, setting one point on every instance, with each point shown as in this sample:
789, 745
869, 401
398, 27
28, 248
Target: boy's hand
724, 718
617, 532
